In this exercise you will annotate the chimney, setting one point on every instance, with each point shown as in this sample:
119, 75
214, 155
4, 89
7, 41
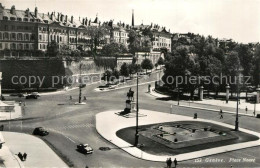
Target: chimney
27, 12
83, 21
86, 21
62, 18
52, 16
48, 14
66, 18
58, 17
36, 12
71, 20
13, 10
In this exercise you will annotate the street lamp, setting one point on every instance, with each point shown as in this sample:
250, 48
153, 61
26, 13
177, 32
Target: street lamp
137, 110
236, 122
178, 96
80, 83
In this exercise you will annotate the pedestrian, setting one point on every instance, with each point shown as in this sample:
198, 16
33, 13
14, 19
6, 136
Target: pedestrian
170, 162
254, 113
149, 88
220, 111
175, 162
246, 109
221, 116
167, 163
24, 156
20, 103
20, 156
70, 97
85, 98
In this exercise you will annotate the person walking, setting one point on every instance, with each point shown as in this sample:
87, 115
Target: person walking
70, 97
24, 156
149, 88
20, 156
246, 109
175, 162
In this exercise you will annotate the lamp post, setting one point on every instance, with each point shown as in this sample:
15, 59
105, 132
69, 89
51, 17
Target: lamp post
80, 83
137, 110
178, 96
255, 105
236, 122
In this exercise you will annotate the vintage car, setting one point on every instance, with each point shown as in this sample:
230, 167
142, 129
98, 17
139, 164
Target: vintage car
84, 148
33, 95
40, 131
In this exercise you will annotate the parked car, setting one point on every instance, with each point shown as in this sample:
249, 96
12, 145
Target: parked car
84, 148
40, 131
17, 94
33, 95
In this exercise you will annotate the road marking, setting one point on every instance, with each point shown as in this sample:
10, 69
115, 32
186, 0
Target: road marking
68, 138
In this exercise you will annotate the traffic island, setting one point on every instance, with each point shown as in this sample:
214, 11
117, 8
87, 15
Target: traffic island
158, 131
180, 137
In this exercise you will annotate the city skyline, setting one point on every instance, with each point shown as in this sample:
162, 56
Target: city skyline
200, 17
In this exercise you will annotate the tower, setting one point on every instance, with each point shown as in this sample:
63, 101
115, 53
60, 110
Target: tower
133, 19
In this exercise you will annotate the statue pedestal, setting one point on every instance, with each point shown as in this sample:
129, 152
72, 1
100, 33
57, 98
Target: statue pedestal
130, 107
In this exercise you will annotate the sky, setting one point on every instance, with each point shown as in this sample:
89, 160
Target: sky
235, 19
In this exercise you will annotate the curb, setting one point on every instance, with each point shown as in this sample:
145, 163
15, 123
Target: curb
201, 108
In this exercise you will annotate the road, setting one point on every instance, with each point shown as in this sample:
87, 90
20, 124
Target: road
71, 124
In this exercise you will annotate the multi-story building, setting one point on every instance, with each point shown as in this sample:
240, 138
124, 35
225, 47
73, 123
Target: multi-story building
32, 31
24, 32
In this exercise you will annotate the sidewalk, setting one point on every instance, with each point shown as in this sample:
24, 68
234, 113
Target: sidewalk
9, 159
39, 154
108, 128
17, 113
214, 105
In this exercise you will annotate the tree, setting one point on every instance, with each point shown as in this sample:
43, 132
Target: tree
113, 49
182, 65
96, 34
53, 49
256, 66
160, 62
231, 68
124, 70
147, 64
107, 76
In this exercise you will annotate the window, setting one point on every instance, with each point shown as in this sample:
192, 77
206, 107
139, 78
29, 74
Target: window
27, 46
25, 19
32, 37
6, 35
60, 39
40, 46
13, 36
6, 27
19, 36
31, 20
19, 19
13, 27
12, 18
20, 46
13, 46
26, 37
6, 45
5, 18
40, 37
1, 46
1, 35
